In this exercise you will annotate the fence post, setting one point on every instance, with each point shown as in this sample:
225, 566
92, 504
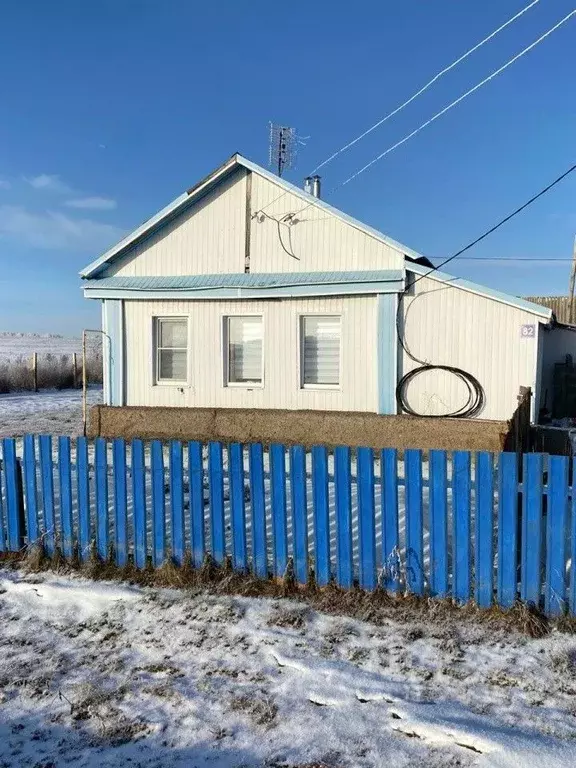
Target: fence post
22, 527
35, 371
74, 370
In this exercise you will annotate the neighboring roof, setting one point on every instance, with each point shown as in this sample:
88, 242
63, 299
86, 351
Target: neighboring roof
253, 285
181, 203
482, 290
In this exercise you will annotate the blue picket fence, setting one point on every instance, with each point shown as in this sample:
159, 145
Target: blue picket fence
461, 525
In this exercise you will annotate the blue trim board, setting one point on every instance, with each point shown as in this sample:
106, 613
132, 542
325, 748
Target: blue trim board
353, 289
386, 352
114, 328
246, 286
247, 280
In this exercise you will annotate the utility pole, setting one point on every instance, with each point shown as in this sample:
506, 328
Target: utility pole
571, 288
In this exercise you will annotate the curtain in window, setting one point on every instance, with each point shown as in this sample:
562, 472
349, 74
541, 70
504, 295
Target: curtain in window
321, 350
172, 349
244, 350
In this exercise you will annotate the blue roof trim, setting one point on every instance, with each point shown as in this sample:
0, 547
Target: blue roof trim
482, 290
181, 203
243, 280
246, 286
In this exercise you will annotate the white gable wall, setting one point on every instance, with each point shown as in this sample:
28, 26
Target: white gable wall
445, 324
207, 239
319, 240
210, 238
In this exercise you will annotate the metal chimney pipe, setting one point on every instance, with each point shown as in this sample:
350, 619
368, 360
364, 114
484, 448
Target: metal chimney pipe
308, 184
316, 186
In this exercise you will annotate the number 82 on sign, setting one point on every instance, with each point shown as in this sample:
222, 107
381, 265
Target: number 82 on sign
528, 331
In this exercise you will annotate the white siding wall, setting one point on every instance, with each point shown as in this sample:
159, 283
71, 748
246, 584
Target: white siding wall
319, 240
358, 390
209, 238
449, 325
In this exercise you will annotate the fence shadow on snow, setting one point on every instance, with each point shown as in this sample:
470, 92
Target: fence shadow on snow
464, 526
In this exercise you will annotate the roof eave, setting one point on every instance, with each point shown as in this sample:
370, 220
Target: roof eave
482, 290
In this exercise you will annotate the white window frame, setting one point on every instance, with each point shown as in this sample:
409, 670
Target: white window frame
226, 352
301, 318
156, 320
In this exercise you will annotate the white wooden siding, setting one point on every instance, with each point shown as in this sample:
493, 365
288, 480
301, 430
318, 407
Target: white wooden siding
318, 240
448, 325
207, 239
210, 238
281, 379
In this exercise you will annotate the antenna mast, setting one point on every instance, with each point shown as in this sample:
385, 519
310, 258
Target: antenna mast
282, 151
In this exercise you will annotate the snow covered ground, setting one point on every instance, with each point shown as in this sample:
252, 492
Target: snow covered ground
47, 412
102, 674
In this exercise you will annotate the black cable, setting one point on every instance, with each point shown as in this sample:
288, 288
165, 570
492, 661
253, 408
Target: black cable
503, 221
279, 223
476, 394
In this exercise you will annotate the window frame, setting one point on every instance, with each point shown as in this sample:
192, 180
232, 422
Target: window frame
156, 321
226, 352
301, 338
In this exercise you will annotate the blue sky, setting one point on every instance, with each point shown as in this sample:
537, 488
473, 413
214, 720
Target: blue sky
111, 108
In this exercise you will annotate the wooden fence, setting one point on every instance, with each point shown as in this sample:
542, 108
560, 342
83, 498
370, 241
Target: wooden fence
455, 525
560, 305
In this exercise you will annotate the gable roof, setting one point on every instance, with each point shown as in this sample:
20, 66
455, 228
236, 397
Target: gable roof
206, 185
417, 262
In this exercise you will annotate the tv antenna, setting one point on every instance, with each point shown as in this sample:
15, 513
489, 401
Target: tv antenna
283, 149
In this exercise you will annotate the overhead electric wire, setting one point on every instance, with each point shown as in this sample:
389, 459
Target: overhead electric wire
503, 221
458, 100
442, 111
476, 395
414, 96
513, 259
424, 88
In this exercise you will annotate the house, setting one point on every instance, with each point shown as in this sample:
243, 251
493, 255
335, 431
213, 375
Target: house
249, 296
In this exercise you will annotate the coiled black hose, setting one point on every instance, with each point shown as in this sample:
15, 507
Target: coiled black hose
476, 395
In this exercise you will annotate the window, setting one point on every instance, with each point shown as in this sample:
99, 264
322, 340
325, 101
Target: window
320, 350
171, 349
244, 354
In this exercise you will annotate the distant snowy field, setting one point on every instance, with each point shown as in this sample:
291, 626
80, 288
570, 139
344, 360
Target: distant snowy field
14, 346
54, 412
102, 674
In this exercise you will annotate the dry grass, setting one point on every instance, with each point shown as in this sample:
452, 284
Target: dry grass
262, 711
54, 372
375, 607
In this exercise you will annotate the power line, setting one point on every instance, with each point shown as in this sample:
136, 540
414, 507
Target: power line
413, 97
424, 87
443, 111
457, 101
476, 393
503, 221
513, 259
